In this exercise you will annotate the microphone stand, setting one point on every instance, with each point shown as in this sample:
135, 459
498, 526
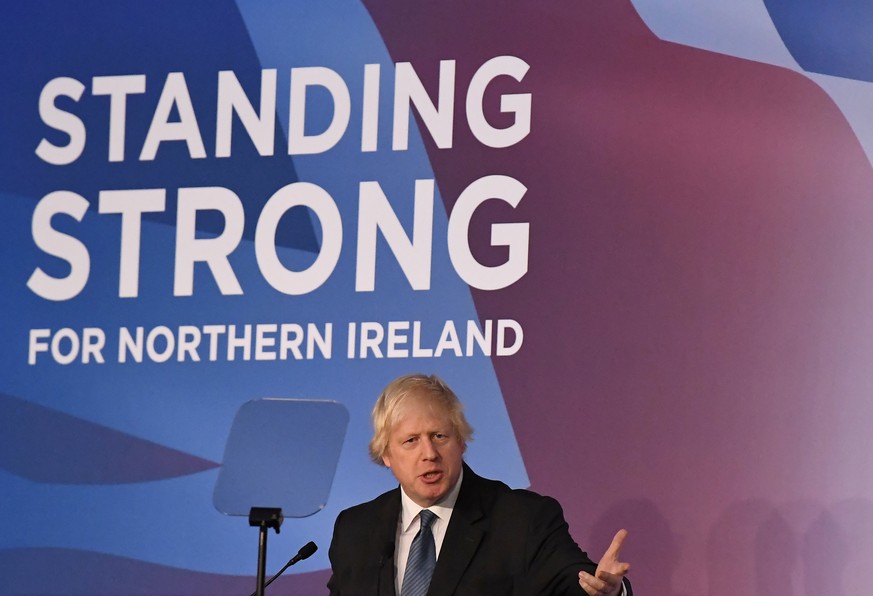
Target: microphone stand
265, 518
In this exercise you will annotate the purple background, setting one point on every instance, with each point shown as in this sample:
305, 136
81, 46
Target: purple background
697, 312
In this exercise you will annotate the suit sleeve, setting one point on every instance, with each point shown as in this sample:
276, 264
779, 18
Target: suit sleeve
555, 558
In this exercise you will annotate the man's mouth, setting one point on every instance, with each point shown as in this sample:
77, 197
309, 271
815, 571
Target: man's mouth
432, 476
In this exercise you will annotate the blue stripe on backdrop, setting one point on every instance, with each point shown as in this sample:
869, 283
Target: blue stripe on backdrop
187, 407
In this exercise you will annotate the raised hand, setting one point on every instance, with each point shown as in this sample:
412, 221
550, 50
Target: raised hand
607, 578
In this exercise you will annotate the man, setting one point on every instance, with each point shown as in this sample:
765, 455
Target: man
446, 530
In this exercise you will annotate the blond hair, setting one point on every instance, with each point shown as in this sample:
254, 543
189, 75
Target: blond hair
433, 390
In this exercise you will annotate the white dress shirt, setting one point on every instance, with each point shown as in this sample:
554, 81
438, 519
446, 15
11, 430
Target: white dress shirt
409, 524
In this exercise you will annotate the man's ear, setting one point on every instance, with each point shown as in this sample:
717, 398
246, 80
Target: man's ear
386, 460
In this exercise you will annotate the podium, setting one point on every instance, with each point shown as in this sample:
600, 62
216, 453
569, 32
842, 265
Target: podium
279, 461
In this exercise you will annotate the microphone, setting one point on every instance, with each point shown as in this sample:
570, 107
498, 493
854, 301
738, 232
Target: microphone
304, 553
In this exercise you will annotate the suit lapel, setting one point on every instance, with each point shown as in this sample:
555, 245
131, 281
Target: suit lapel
386, 534
466, 530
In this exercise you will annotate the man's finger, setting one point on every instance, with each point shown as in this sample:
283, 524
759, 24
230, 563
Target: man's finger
614, 577
591, 584
615, 548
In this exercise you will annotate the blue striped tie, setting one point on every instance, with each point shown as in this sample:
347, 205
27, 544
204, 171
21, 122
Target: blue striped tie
422, 559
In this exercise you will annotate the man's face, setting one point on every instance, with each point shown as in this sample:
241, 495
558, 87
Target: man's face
423, 452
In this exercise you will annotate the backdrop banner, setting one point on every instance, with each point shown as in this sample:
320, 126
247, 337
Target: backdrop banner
633, 236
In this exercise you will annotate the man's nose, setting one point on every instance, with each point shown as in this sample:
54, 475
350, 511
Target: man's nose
428, 449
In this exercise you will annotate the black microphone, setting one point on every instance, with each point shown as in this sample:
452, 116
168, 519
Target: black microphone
304, 553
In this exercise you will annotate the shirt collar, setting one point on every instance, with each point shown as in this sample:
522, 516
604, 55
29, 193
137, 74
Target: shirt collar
410, 509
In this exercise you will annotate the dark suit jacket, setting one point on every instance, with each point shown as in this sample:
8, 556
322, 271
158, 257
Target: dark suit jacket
499, 541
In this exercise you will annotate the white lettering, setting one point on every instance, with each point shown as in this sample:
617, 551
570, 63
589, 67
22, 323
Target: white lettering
212, 251
299, 143
131, 204
60, 245
408, 89
58, 119
414, 257
175, 93
513, 235
518, 104
118, 88
232, 99
298, 194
